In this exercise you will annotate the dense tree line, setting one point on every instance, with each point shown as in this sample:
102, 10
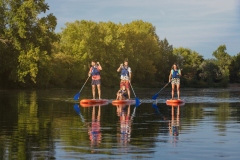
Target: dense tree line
33, 55
26, 41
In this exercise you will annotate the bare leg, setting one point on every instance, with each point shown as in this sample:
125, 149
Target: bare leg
173, 86
99, 91
99, 113
93, 114
128, 90
93, 91
178, 113
178, 90
117, 96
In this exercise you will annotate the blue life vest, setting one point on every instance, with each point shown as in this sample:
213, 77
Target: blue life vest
123, 92
124, 71
174, 130
95, 71
174, 73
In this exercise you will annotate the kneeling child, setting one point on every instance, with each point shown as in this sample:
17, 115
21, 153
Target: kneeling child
122, 93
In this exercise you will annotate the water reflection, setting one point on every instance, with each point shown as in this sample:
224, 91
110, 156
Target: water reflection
26, 137
172, 118
174, 122
43, 125
124, 131
94, 128
77, 109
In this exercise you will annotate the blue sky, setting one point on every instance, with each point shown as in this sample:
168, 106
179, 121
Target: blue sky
200, 25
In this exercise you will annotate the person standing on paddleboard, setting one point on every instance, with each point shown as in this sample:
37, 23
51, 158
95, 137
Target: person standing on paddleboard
174, 78
96, 78
126, 75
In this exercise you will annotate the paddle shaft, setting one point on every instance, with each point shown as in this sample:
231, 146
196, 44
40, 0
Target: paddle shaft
133, 114
84, 84
132, 90
77, 109
163, 88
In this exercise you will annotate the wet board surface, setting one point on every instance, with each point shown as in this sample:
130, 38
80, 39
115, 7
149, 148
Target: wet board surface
175, 102
92, 105
93, 101
119, 102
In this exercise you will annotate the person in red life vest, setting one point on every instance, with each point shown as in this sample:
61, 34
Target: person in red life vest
174, 78
122, 93
126, 75
96, 78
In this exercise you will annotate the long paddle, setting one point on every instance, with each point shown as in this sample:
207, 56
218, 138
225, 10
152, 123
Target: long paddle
136, 99
76, 97
156, 95
134, 110
154, 105
77, 109
133, 114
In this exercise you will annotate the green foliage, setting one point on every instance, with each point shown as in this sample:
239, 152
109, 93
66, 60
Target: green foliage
62, 66
223, 61
141, 46
210, 72
29, 37
234, 69
189, 61
163, 60
33, 55
110, 44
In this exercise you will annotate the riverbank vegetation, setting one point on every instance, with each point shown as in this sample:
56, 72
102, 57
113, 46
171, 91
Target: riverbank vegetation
33, 55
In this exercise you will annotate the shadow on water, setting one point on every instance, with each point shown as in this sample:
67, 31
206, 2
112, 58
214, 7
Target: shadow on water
49, 125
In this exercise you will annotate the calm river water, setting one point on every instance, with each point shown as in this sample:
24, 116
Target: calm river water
49, 124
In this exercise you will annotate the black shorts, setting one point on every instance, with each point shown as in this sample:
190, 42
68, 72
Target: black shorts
96, 82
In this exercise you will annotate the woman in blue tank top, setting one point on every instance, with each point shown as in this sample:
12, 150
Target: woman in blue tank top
174, 78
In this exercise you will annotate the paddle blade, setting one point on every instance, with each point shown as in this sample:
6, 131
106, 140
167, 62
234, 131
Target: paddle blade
76, 97
154, 105
155, 96
137, 102
76, 108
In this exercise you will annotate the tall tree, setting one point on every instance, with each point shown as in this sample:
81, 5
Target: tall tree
223, 60
210, 73
141, 45
234, 69
81, 40
30, 36
110, 44
189, 61
163, 60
